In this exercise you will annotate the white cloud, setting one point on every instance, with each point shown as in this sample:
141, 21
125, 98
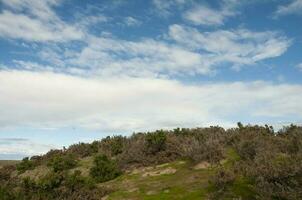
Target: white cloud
204, 15
299, 66
32, 66
85, 21
32, 99
30, 20
191, 52
131, 21
20, 146
164, 6
238, 47
148, 57
39, 9
295, 7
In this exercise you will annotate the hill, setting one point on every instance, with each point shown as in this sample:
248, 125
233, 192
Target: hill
8, 162
248, 162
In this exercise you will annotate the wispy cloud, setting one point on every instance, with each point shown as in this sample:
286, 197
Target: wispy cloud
191, 52
164, 7
131, 21
299, 66
238, 47
201, 14
35, 21
21, 147
111, 56
294, 7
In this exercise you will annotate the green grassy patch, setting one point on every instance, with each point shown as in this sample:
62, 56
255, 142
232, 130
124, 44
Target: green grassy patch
185, 183
242, 188
231, 157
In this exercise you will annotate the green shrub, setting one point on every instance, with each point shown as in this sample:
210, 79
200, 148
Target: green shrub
156, 141
6, 194
25, 165
76, 181
104, 169
112, 146
82, 149
51, 181
62, 162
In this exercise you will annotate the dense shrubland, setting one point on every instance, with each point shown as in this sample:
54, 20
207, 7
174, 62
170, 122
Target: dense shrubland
254, 160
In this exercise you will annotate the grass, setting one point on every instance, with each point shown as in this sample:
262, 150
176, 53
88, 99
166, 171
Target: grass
241, 187
84, 166
231, 157
185, 183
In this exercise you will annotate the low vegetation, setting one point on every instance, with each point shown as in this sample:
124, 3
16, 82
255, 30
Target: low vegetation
247, 162
104, 169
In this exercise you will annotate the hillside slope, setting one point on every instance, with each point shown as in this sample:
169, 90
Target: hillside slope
248, 162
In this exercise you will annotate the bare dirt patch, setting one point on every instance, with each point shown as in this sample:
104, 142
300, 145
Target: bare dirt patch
202, 165
158, 172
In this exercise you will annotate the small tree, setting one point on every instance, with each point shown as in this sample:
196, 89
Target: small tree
104, 169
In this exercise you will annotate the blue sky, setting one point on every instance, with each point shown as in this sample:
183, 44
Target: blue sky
73, 70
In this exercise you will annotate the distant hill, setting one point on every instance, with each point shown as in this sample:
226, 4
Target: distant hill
248, 162
8, 162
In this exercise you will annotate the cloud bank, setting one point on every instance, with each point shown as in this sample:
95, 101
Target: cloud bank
54, 100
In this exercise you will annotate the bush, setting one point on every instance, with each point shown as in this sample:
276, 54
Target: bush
62, 162
210, 150
104, 169
247, 149
133, 153
76, 181
276, 176
223, 178
5, 172
56, 186
156, 142
25, 165
112, 146
221, 182
82, 149
5, 193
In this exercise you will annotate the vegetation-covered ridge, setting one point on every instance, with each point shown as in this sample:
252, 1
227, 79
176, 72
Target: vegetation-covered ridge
247, 162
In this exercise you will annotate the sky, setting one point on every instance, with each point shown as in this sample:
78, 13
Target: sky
76, 71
